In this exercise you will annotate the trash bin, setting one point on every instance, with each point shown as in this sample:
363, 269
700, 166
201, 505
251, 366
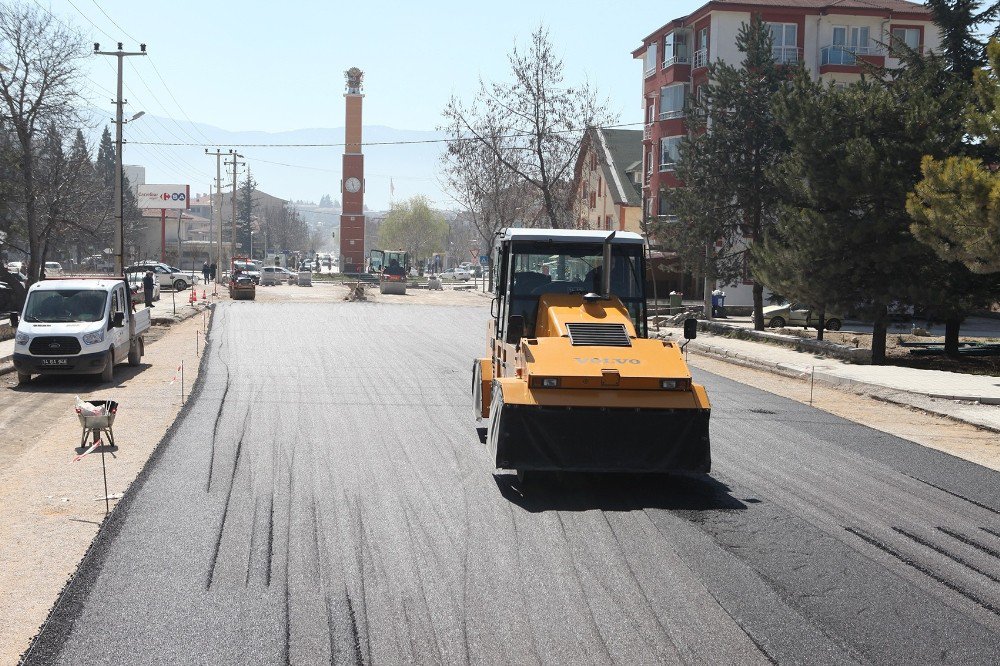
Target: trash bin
719, 303
676, 304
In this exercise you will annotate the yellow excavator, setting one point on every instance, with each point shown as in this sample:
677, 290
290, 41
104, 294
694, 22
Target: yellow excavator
571, 381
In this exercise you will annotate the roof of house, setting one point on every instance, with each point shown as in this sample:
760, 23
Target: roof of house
620, 149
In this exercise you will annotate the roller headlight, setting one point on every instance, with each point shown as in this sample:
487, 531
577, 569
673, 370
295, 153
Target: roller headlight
94, 338
22, 339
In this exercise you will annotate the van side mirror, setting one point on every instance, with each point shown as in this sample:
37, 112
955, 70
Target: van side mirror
118, 320
515, 329
15, 319
690, 329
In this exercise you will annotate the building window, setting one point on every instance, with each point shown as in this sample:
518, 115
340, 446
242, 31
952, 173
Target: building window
651, 112
650, 59
672, 100
675, 49
911, 37
600, 186
847, 44
670, 152
701, 49
786, 43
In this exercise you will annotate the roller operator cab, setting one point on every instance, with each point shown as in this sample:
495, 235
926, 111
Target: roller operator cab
570, 381
392, 267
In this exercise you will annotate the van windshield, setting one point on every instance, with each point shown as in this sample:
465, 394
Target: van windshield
65, 305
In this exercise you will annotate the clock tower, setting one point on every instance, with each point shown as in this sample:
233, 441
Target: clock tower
352, 182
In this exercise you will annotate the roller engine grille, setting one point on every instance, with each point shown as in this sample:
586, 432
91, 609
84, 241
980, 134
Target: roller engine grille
598, 335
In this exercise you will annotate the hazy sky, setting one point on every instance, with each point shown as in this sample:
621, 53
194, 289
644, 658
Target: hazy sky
271, 67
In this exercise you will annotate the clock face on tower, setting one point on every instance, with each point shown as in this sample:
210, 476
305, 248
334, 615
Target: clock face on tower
352, 184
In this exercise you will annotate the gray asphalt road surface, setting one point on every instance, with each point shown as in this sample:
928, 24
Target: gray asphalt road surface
326, 498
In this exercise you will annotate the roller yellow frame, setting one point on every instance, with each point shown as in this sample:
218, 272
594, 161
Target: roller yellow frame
571, 381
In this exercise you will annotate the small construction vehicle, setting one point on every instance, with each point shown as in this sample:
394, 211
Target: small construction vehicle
241, 284
392, 268
570, 381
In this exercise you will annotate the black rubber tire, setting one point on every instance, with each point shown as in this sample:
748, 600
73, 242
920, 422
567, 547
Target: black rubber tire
833, 324
23, 378
135, 353
776, 322
180, 285
108, 373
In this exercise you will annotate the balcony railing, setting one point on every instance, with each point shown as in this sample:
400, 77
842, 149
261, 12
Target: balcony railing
845, 55
671, 114
668, 166
676, 60
700, 59
787, 55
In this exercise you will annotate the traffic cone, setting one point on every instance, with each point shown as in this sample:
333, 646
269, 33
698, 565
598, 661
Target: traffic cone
192, 300
203, 296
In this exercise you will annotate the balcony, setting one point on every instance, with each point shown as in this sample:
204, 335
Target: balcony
787, 55
700, 59
670, 114
849, 56
676, 60
668, 166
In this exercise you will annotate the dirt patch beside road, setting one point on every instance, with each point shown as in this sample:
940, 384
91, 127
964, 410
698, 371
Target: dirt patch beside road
51, 509
936, 432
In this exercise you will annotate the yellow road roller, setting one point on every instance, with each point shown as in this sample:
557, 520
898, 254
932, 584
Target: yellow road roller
571, 382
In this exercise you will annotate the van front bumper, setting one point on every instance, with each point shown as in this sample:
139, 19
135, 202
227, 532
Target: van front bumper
81, 364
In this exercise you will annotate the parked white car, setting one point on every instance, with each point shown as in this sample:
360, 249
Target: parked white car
456, 274
135, 282
53, 269
167, 276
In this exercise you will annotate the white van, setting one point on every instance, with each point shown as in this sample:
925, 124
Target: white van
77, 326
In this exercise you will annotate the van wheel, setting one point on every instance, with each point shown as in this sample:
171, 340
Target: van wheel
135, 352
108, 374
23, 378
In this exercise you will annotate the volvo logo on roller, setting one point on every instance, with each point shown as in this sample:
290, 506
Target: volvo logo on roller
609, 361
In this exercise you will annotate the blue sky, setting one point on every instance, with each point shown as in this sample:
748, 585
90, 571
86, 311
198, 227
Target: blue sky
274, 67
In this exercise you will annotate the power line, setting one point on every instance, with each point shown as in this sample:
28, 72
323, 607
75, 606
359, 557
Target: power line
396, 143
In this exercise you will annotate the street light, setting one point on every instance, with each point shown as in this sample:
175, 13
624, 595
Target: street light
252, 232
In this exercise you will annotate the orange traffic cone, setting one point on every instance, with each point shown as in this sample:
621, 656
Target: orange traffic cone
203, 296
192, 300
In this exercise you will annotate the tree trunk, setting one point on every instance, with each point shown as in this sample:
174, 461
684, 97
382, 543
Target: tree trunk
821, 324
952, 325
758, 306
879, 330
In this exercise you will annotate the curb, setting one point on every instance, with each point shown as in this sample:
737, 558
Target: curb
883, 393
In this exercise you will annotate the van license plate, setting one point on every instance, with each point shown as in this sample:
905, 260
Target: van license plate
55, 361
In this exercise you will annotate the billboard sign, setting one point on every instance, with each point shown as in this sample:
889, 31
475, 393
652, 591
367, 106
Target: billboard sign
164, 196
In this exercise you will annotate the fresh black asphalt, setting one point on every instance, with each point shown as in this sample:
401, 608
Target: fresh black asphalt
325, 498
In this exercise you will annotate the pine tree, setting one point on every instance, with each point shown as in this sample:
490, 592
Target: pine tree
246, 207
958, 21
729, 194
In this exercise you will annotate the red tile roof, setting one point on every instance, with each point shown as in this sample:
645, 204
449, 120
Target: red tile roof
890, 5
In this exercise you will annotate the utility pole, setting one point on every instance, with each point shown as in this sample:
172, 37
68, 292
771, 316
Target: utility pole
218, 193
119, 177
235, 162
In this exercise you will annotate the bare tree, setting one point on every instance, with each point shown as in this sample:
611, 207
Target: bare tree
37, 93
532, 125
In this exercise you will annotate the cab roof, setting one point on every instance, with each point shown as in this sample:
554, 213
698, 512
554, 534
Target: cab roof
102, 283
570, 236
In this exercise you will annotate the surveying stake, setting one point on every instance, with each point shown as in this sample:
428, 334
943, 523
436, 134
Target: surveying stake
96, 426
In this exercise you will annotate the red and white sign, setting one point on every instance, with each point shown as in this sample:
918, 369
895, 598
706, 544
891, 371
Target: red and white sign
164, 196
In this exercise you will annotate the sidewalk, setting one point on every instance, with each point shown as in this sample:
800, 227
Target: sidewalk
973, 399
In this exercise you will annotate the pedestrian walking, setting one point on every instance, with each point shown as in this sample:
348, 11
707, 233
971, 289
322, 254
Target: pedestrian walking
147, 288
211, 271
206, 271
